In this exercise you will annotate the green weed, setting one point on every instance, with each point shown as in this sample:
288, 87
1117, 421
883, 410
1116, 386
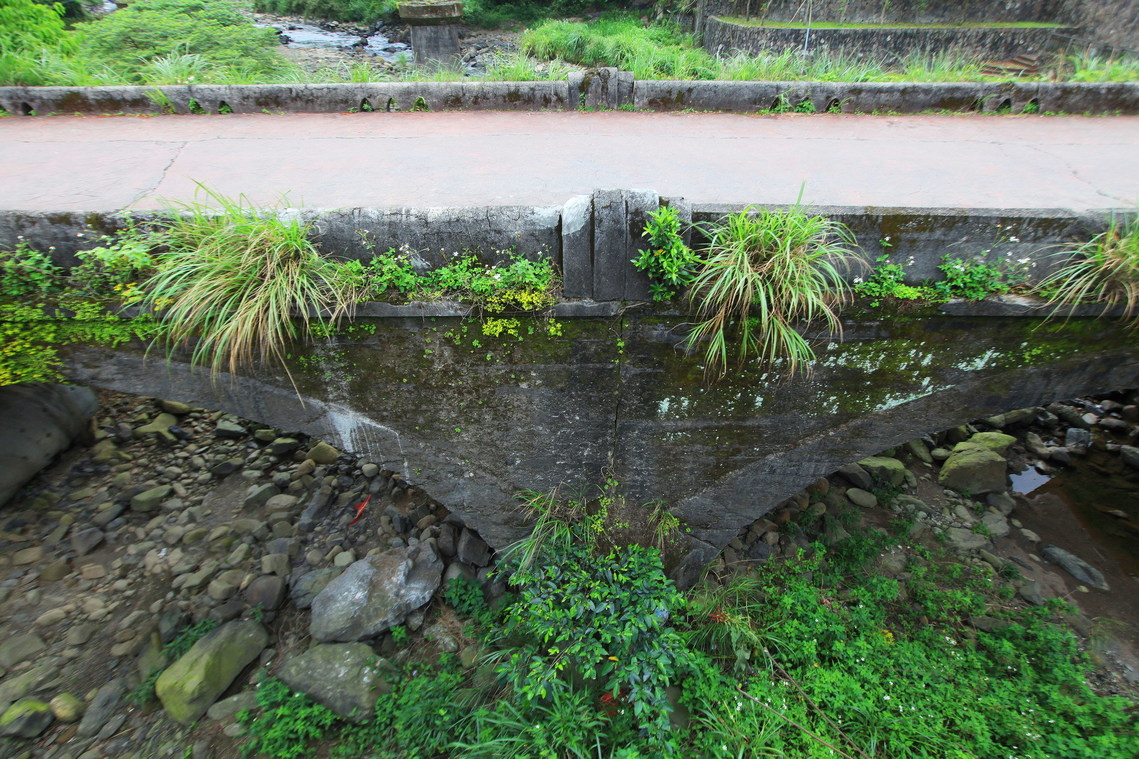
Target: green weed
1103, 270
764, 272
669, 262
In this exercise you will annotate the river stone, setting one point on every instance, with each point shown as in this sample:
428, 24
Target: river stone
20, 648
323, 453
376, 593
101, 708
161, 423
306, 587
40, 421
148, 500
345, 677
66, 707
191, 684
974, 470
919, 450
998, 442
1076, 567
1077, 440
860, 497
1130, 455
266, 592
965, 540
229, 429
996, 524
27, 556
85, 541
472, 549
1036, 446
26, 718
884, 469
858, 476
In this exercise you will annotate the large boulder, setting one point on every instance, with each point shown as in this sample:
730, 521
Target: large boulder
26, 719
974, 470
884, 469
191, 684
40, 421
345, 677
376, 593
997, 442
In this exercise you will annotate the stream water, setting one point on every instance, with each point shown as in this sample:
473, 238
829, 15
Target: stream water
299, 35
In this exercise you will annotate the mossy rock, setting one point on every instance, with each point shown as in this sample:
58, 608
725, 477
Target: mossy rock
884, 469
191, 684
26, 718
974, 470
998, 442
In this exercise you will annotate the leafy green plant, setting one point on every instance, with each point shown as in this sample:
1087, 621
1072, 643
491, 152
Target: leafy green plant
237, 282
31, 32
591, 615
669, 262
1104, 270
971, 279
886, 281
466, 597
285, 723
181, 644
28, 273
765, 271
400, 635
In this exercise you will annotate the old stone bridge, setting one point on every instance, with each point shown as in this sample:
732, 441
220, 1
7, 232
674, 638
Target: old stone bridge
474, 419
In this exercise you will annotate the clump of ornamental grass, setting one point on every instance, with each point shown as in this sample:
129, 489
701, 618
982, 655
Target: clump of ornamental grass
1103, 270
239, 284
765, 273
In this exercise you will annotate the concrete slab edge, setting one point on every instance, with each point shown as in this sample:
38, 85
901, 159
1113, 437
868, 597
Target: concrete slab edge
598, 265
601, 89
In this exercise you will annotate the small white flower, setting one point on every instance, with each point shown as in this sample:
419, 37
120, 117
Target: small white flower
1014, 239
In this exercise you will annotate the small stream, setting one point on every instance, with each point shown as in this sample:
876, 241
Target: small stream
1103, 493
298, 35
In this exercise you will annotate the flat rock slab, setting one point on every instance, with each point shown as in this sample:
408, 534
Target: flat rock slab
1076, 567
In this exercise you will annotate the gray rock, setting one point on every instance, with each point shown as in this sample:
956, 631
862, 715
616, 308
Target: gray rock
996, 524
1130, 455
1077, 440
858, 476
259, 495
974, 470
85, 541
101, 708
963, 540
1030, 592
1069, 414
228, 708
40, 421
472, 549
148, 500
228, 429
376, 593
919, 450
309, 585
459, 571
266, 592
863, 498
1002, 502
1076, 567
345, 677
191, 685
1036, 446
20, 648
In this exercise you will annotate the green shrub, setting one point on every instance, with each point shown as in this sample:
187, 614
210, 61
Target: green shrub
132, 39
1104, 270
239, 283
765, 272
285, 723
31, 32
670, 264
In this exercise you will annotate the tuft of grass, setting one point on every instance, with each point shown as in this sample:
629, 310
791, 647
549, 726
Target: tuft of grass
764, 272
236, 281
1103, 270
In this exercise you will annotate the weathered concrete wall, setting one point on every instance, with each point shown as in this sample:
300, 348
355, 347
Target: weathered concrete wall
473, 424
1108, 27
593, 238
605, 88
888, 45
900, 11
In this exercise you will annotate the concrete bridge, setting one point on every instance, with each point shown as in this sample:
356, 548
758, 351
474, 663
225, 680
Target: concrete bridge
474, 419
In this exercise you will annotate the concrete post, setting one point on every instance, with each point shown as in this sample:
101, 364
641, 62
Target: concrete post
434, 31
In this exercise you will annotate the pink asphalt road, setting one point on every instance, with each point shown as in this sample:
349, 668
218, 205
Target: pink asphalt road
381, 160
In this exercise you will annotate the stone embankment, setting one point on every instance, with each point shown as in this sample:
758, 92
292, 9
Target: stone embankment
316, 566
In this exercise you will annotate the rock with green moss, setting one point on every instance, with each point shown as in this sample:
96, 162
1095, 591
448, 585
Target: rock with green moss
974, 470
998, 442
26, 718
884, 469
191, 684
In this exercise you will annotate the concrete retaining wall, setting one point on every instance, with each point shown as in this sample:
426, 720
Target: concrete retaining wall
887, 45
601, 89
593, 238
901, 11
